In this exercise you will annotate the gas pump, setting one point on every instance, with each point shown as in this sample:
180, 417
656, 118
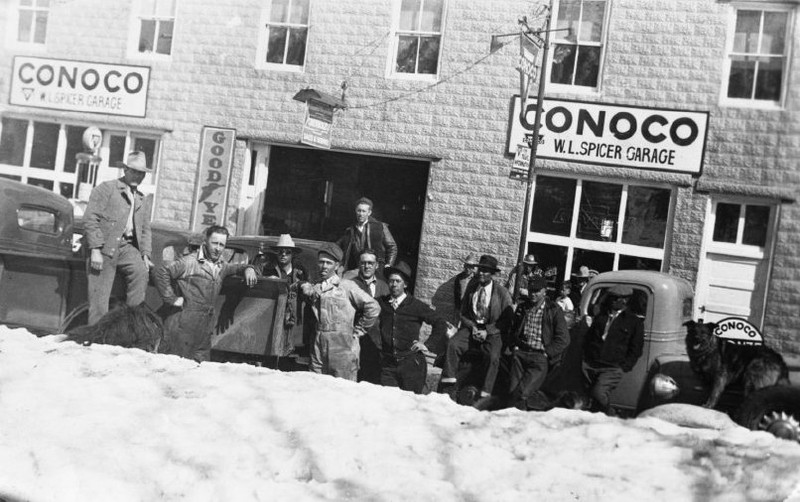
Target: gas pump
87, 163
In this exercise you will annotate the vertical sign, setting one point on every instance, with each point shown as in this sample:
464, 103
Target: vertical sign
317, 127
214, 174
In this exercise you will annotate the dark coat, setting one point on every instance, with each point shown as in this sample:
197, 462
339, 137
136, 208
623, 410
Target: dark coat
622, 347
500, 308
381, 288
107, 214
400, 328
555, 335
460, 283
378, 238
294, 309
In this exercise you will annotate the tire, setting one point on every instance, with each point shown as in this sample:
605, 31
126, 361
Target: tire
773, 409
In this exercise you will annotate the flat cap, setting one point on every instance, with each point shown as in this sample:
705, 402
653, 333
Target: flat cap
332, 250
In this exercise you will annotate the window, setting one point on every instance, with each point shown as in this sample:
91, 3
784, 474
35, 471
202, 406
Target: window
741, 224
38, 220
155, 23
577, 54
756, 65
32, 23
284, 40
418, 38
600, 224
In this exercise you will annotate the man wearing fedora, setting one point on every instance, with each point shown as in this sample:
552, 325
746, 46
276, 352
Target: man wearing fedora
462, 280
525, 271
117, 227
485, 310
343, 313
612, 346
285, 266
403, 362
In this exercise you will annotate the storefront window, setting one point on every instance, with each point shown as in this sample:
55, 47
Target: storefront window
638, 263
12, 141
646, 213
552, 205
599, 210
45, 144
74, 147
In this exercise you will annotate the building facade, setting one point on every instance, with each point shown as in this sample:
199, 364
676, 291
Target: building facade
669, 138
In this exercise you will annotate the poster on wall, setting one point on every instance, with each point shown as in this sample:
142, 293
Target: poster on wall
213, 180
317, 125
613, 135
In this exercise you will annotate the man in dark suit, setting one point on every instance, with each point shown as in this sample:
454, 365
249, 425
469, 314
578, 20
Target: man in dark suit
613, 344
462, 280
370, 362
367, 233
485, 309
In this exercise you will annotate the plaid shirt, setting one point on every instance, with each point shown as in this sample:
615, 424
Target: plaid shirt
532, 331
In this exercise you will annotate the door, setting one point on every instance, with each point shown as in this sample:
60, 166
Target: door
251, 203
735, 261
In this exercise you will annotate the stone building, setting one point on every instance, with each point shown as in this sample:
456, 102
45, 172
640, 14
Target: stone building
670, 135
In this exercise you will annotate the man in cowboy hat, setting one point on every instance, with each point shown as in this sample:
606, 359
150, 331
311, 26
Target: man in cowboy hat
343, 313
462, 280
485, 310
117, 227
612, 346
580, 279
525, 271
403, 362
367, 232
285, 266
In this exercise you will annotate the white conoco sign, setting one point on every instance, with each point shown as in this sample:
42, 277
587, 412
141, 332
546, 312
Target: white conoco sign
614, 135
77, 86
738, 331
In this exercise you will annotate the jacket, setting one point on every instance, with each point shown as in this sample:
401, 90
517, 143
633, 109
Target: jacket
339, 305
622, 347
293, 313
198, 282
500, 308
400, 327
381, 288
460, 283
378, 238
555, 335
107, 214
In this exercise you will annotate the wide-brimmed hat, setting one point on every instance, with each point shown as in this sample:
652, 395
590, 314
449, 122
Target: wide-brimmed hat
529, 259
401, 268
620, 290
285, 242
471, 259
584, 273
136, 161
488, 262
332, 250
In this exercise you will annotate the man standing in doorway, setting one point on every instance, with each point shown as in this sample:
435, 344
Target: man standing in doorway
370, 366
367, 233
343, 314
117, 224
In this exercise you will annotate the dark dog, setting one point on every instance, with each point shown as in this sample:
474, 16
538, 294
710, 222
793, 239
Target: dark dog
720, 363
131, 327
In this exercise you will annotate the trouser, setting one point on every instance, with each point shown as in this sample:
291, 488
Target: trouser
528, 372
187, 333
369, 369
336, 353
600, 382
408, 373
128, 261
462, 341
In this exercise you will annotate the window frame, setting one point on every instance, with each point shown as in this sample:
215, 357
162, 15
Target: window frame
732, 16
395, 34
135, 27
263, 40
12, 27
555, 38
738, 248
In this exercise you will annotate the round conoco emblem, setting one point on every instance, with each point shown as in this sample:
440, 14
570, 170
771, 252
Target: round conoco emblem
738, 331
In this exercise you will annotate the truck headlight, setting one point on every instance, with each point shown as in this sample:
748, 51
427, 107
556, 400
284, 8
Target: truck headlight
663, 386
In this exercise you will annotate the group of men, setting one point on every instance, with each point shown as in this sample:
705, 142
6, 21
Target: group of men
367, 326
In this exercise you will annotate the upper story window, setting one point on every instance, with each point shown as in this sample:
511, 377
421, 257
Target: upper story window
32, 24
154, 26
418, 37
284, 41
757, 57
577, 54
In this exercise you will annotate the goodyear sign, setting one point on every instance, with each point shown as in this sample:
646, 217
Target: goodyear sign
214, 175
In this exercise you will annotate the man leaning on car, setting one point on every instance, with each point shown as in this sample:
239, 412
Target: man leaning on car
117, 228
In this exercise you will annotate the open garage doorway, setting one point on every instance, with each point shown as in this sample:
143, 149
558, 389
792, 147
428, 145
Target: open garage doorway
311, 194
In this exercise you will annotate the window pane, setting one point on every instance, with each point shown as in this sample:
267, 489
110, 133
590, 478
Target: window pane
592, 21
553, 201
431, 16
727, 222
772, 41
277, 44
45, 142
550, 257
588, 66
165, 37
599, 211
756, 219
563, 63
66, 190
745, 38
595, 260
646, 212
48, 184
116, 150
406, 54
297, 46
638, 263
148, 146
24, 26
299, 12
279, 12
569, 12
41, 28
37, 219
147, 35
740, 82
768, 79
74, 146
12, 142
409, 15
429, 55
42, 3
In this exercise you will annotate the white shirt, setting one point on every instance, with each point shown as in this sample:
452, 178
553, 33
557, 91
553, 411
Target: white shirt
397, 301
488, 299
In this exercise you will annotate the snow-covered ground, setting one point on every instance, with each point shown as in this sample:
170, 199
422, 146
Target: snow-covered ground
104, 423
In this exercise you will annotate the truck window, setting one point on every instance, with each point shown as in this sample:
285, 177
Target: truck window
600, 301
38, 220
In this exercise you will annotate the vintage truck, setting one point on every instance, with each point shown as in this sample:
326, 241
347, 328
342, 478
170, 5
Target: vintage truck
43, 283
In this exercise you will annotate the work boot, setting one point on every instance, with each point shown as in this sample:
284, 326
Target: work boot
448, 388
485, 403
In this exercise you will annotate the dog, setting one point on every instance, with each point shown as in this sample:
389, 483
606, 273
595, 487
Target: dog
720, 363
130, 327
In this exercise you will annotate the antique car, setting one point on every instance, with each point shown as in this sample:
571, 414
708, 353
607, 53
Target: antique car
43, 285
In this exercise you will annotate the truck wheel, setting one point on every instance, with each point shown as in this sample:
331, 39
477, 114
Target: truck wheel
773, 409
